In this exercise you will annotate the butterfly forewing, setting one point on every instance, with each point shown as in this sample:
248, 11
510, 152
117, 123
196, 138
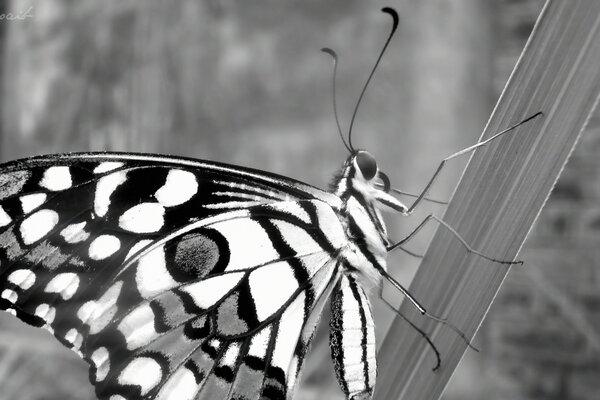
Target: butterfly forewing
174, 279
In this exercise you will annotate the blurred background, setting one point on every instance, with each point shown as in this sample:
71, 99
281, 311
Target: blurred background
244, 82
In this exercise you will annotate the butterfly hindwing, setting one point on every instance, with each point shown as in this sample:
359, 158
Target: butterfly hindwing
172, 278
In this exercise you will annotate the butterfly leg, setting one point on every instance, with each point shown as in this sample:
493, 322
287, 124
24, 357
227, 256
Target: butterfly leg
455, 233
422, 309
415, 327
410, 252
467, 150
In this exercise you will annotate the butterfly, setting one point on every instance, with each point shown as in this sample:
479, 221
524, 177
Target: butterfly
177, 278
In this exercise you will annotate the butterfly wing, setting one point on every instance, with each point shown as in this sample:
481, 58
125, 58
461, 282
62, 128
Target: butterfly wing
173, 278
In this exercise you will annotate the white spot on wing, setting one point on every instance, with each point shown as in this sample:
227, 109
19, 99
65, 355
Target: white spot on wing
231, 354
23, 278
245, 253
297, 238
207, 292
143, 218
231, 205
37, 225
56, 178
271, 286
290, 328
179, 187
74, 337
142, 371
45, 312
181, 385
100, 312
151, 275
330, 225
107, 166
260, 343
101, 362
292, 207
4, 218
66, 284
86, 310
104, 246
32, 201
75, 233
42, 310
9, 295
104, 189
138, 327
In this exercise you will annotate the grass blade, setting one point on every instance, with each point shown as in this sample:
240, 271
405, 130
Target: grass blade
499, 197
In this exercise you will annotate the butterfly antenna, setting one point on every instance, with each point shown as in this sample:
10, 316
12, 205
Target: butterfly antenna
424, 312
333, 54
394, 15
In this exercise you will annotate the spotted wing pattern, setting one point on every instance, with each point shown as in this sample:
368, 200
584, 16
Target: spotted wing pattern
173, 278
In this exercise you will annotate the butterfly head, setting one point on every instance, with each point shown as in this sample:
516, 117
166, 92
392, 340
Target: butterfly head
361, 176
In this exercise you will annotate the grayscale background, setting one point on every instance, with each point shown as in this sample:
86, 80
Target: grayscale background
244, 82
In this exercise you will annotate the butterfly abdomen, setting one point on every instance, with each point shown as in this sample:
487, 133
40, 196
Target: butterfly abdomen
352, 339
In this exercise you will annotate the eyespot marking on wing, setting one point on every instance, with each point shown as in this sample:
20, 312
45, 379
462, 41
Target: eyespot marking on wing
143, 218
37, 225
56, 178
180, 186
198, 253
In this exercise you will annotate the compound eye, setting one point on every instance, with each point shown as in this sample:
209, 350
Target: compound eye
367, 164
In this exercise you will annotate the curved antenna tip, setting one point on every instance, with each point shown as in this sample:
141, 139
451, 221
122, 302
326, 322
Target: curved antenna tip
393, 14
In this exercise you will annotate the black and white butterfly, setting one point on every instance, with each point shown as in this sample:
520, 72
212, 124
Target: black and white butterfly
184, 279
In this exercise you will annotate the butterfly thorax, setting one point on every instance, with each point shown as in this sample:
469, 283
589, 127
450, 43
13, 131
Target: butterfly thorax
361, 217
